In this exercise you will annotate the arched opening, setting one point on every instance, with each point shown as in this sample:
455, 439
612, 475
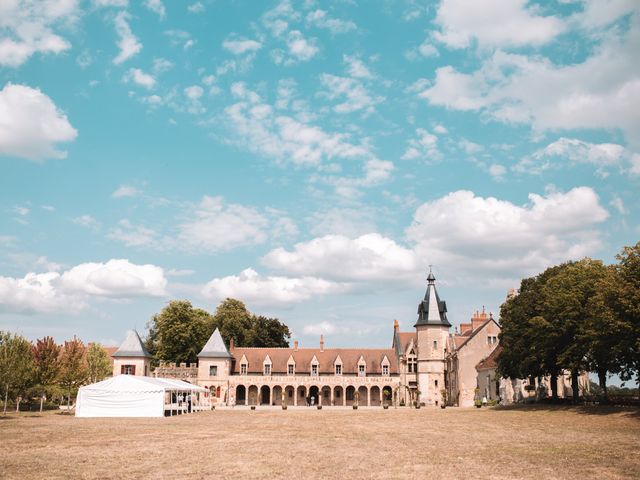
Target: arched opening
289, 395
277, 395
325, 395
313, 395
387, 395
302, 394
350, 395
375, 400
338, 396
265, 395
363, 397
241, 395
253, 395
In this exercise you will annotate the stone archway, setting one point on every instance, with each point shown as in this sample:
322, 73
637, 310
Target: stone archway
350, 395
314, 394
302, 394
289, 395
338, 396
375, 400
241, 395
325, 395
265, 395
387, 395
363, 396
276, 395
252, 397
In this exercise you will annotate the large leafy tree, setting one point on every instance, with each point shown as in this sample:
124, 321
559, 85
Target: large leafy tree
16, 365
98, 363
46, 359
73, 367
178, 332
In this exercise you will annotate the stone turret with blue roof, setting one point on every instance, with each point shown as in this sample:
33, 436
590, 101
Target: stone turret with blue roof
214, 364
132, 358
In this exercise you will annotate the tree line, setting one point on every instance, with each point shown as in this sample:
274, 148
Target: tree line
178, 333
577, 316
46, 370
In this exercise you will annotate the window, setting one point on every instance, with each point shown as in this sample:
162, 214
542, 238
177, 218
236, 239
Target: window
435, 382
412, 364
290, 393
325, 394
213, 370
314, 370
128, 369
435, 344
290, 369
338, 369
361, 370
385, 369
243, 369
492, 340
267, 369
338, 393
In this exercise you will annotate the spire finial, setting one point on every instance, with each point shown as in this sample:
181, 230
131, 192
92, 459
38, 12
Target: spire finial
430, 277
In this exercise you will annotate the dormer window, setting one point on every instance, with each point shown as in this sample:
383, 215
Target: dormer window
291, 369
243, 369
267, 369
385, 370
362, 370
412, 363
314, 370
338, 369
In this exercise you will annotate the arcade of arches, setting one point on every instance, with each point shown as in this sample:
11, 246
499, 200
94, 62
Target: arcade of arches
325, 395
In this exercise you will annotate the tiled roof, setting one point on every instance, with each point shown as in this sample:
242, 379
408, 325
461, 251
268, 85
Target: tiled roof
461, 340
215, 347
405, 338
132, 347
432, 310
491, 361
303, 357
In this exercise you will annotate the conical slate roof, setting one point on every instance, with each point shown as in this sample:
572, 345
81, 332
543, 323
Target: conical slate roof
215, 347
432, 310
132, 347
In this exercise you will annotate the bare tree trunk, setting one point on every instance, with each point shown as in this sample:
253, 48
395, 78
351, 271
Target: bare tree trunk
18, 404
574, 385
6, 395
602, 378
553, 378
41, 402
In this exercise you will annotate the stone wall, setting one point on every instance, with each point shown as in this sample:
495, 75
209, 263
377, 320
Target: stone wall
184, 371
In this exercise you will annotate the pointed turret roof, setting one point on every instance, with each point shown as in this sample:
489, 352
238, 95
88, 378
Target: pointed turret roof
432, 310
132, 347
215, 347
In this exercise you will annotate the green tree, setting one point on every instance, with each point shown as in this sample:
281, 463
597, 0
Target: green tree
16, 366
73, 367
46, 358
178, 332
626, 305
98, 363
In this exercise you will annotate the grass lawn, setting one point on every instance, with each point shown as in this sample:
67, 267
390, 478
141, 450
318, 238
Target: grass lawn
540, 443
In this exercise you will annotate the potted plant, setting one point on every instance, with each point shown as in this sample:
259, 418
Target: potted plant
319, 407
284, 401
443, 404
477, 401
356, 397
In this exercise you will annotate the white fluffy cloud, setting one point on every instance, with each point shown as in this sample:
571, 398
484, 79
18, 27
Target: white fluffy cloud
71, 290
218, 226
368, 257
603, 91
320, 19
486, 237
604, 156
494, 23
128, 43
26, 27
300, 48
157, 7
125, 191
31, 125
139, 77
239, 46
256, 289
424, 146
355, 96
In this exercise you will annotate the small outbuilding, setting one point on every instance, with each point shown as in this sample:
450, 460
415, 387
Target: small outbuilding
139, 396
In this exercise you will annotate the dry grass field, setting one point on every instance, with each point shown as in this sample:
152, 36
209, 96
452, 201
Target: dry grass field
540, 443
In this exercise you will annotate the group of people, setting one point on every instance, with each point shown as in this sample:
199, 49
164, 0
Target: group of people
311, 400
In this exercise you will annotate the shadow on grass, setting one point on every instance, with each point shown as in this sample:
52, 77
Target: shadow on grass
599, 410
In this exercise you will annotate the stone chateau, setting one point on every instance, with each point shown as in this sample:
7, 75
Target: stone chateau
428, 365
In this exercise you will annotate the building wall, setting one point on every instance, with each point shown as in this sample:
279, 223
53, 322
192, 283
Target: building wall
468, 356
139, 362
431, 362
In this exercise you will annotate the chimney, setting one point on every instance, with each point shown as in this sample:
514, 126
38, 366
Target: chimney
322, 343
464, 328
232, 344
478, 319
295, 346
396, 325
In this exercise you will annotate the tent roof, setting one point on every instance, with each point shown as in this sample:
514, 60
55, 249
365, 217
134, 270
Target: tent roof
132, 346
215, 347
134, 383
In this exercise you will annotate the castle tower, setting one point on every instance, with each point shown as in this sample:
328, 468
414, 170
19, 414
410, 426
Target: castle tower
432, 330
214, 367
132, 358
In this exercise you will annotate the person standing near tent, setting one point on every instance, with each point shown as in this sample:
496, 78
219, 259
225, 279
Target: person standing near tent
189, 402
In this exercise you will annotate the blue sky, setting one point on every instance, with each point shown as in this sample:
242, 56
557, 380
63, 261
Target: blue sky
309, 158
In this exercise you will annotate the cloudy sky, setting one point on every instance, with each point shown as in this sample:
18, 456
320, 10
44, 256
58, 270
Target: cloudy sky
311, 159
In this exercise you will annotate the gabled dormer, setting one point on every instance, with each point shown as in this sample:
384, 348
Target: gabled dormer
266, 365
315, 367
244, 365
385, 366
337, 366
362, 367
291, 365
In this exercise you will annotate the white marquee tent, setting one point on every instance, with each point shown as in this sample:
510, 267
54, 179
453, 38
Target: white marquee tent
137, 396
